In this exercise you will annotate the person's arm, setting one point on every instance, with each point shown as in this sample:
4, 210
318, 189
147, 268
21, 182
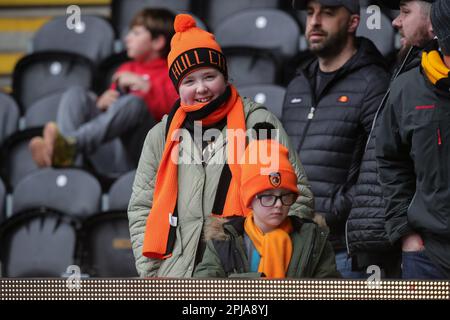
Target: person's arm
127, 81
396, 171
142, 198
377, 85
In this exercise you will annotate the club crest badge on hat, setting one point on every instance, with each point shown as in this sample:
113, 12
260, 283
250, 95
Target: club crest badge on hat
275, 179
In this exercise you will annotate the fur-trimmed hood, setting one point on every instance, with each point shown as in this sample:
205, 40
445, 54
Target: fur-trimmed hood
216, 227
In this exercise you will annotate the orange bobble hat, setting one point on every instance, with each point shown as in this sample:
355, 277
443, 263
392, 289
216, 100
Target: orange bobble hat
264, 166
193, 48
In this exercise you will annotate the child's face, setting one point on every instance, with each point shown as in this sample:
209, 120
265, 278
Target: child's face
140, 44
269, 218
202, 86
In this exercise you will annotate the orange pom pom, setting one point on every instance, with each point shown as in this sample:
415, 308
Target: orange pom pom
184, 22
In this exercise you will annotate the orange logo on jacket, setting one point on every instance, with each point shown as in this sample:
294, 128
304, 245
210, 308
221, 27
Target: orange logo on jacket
343, 99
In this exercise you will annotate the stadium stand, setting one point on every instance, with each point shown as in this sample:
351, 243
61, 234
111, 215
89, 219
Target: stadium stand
38, 243
216, 11
41, 74
72, 191
122, 11
257, 55
106, 246
9, 116
15, 159
270, 95
120, 192
92, 38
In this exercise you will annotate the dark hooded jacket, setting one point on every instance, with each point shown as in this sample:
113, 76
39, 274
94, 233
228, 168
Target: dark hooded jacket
329, 125
366, 236
413, 155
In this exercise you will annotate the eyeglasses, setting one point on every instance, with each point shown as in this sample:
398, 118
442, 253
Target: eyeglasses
269, 200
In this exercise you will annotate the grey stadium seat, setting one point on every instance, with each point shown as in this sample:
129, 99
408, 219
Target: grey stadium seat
218, 10
92, 38
43, 111
271, 96
123, 11
37, 244
120, 192
9, 116
16, 161
106, 246
251, 66
383, 38
260, 28
71, 191
41, 74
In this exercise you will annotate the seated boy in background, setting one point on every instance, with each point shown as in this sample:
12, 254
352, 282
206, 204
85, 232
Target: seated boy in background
140, 94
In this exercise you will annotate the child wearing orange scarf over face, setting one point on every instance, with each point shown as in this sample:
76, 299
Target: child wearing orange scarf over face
267, 242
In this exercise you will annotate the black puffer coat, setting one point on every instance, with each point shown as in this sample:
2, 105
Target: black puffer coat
366, 235
330, 131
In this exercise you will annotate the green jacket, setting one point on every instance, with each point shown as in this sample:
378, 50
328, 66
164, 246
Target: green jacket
225, 254
196, 193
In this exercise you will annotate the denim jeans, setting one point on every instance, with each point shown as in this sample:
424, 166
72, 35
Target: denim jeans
416, 265
344, 266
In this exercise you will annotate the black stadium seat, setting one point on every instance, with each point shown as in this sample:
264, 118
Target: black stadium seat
38, 243
124, 10
218, 10
16, 161
41, 74
271, 96
9, 116
72, 191
120, 192
106, 246
93, 38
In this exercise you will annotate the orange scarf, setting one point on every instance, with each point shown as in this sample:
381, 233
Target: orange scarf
275, 247
158, 240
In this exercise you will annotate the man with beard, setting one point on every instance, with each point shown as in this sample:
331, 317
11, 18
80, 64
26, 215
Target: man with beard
414, 26
367, 240
329, 109
413, 152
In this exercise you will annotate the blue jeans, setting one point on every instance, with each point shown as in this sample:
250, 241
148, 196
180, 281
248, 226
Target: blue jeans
344, 266
416, 265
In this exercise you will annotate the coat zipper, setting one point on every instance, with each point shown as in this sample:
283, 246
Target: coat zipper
310, 117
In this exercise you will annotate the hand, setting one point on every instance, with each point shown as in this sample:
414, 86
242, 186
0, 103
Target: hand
320, 220
412, 242
129, 80
107, 99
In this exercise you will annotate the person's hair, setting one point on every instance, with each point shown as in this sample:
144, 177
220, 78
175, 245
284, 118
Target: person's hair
158, 22
425, 9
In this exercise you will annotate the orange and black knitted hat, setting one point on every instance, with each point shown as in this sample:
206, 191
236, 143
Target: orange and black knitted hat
264, 166
192, 48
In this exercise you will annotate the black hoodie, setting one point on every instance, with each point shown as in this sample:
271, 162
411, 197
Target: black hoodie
330, 129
